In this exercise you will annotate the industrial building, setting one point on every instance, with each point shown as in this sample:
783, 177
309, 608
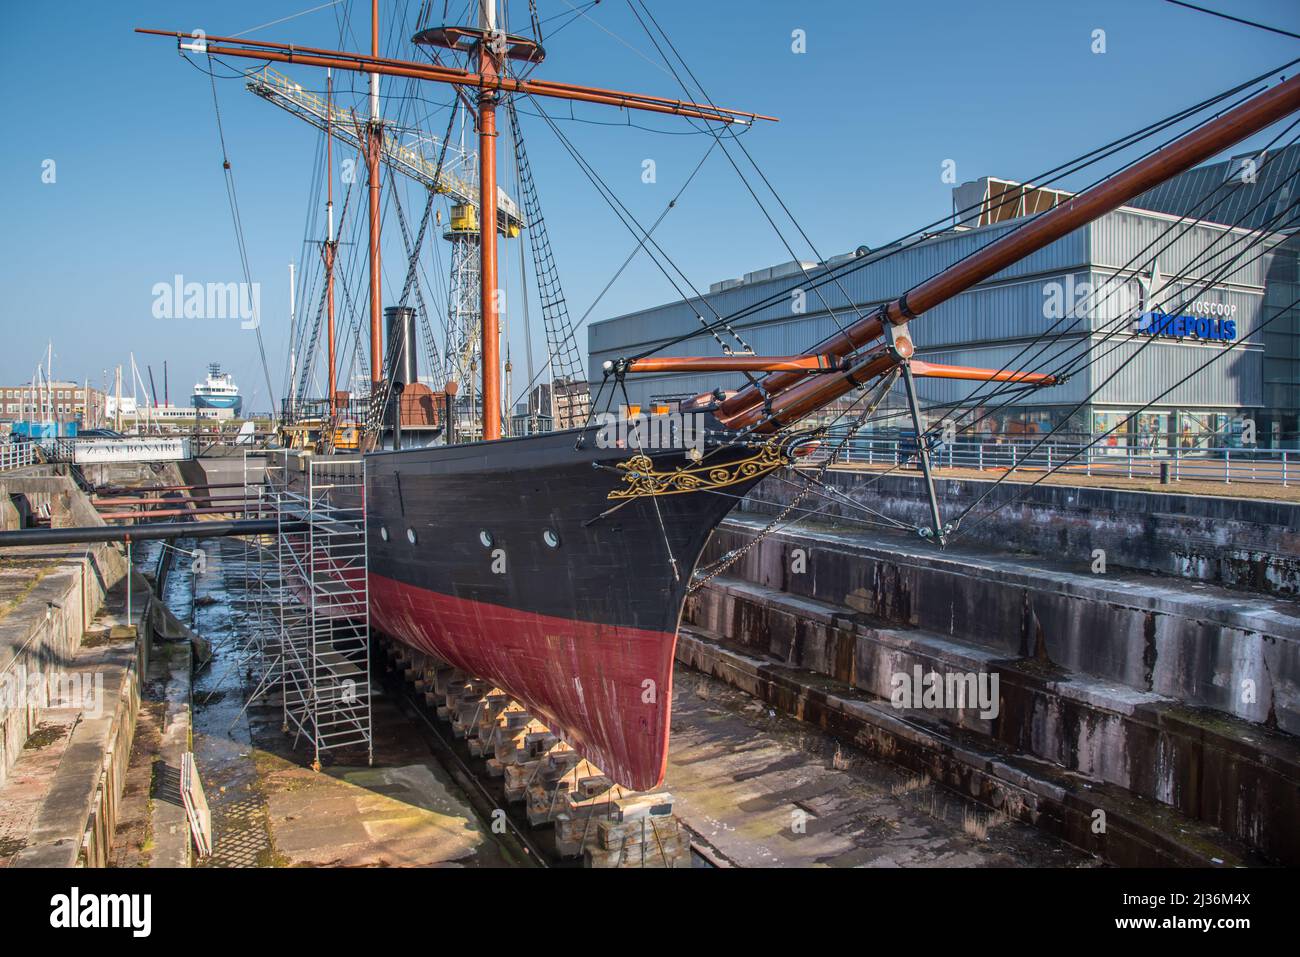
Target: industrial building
1084, 304
53, 401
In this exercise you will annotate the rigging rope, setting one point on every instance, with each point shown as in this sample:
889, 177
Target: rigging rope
717, 135
916, 236
1213, 358
233, 201
1263, 234
1046, 338
710, 572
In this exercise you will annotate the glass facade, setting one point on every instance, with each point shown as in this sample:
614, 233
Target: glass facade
1279, 420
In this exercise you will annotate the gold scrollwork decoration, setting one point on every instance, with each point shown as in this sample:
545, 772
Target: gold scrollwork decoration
641, 479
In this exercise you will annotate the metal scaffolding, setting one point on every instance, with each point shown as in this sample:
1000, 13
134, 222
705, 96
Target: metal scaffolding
262, 586
311, 619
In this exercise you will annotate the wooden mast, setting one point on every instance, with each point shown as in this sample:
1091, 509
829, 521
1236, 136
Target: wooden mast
489, 65
374, 142
388, 66
331, 245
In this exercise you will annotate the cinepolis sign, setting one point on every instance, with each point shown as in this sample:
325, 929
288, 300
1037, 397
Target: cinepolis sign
1198, 325
1205, 320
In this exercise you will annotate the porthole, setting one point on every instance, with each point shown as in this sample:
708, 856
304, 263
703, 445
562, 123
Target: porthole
383, 533
551, 537
485, 538
410, 535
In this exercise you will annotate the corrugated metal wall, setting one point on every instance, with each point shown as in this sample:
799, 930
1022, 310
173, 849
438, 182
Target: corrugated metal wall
875, 282
1130, 238
1235, 380
993, 322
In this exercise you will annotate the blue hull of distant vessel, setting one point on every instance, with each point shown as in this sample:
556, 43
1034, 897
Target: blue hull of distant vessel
235, 403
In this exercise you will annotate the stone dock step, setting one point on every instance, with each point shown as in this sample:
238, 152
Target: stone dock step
1119, 826
1204, 645
72, 793
1227, 773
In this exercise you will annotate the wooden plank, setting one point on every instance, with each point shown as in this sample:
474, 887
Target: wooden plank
196, 805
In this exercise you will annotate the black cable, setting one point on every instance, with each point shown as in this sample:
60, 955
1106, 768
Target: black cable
1226, 16
1070, 167
1231, 265
1209, 283
672, 204
233, 201
625, 216
717, 134
1199, 369
1069, 367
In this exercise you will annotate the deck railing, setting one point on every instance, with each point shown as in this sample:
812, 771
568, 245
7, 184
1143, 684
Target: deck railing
1204, 463
17, 455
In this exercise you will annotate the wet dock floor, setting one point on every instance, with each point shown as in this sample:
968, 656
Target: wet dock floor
269, 807
761, 789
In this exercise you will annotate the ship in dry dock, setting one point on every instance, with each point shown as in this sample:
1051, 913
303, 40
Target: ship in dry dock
556, 565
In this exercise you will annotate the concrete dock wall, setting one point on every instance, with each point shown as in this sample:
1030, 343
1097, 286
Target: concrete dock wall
1183, 696
78, 819
68, 621
1209, 648
50, 594
1236, 542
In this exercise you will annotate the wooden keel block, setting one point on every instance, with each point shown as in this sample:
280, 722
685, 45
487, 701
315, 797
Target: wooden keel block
443, 677
517, 778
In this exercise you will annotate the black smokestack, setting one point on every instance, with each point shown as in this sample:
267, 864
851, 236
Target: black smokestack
400, 323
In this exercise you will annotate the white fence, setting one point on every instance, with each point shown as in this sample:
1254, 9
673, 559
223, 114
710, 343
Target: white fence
17, 455
1227, 465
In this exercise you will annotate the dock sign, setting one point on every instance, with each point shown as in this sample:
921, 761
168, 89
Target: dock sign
98, 451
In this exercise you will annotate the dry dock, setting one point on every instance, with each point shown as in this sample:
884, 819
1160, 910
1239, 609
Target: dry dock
1121, 733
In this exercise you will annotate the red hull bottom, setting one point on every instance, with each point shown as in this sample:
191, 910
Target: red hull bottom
606, 689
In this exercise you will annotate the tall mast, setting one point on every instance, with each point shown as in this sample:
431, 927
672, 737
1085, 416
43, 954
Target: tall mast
493, 48
293, 344
374, 142
330, 244
489, 63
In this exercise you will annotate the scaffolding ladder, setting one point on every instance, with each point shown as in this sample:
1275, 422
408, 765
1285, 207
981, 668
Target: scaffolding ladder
312, 603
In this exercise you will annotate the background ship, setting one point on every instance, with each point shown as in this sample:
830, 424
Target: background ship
218, 391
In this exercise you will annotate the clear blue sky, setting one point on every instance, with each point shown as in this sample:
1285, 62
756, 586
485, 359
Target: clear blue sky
884, 94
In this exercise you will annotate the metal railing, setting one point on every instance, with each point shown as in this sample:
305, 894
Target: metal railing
18, 455
1205, 464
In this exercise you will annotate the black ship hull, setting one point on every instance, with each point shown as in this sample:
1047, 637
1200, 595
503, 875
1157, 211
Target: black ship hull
556, 568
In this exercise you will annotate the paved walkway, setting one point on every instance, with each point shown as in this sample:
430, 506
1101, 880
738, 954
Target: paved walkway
1271, 491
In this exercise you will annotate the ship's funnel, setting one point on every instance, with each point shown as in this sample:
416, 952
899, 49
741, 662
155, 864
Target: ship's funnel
400, 324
